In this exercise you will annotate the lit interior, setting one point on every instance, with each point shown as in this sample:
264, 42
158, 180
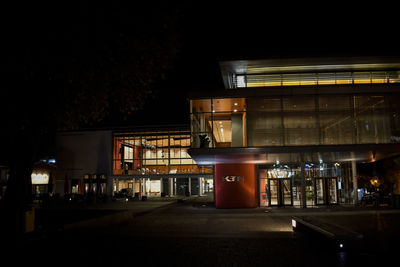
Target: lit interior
223, 131
302, 79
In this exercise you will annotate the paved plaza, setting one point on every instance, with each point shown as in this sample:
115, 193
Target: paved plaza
173, 233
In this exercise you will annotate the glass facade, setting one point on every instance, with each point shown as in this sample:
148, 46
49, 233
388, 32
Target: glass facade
325, 184
218, 122
323, 78
349, 106
157, 164
154, 153
295, 120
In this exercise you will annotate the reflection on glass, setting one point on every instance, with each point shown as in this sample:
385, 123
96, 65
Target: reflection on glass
223, 132
287, 196
361, 77
274, 192
332, 191
319, 185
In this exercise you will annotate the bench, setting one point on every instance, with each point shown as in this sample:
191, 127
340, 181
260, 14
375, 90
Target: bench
343, 238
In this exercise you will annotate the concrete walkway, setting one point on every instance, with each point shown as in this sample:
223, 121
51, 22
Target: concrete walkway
197, 234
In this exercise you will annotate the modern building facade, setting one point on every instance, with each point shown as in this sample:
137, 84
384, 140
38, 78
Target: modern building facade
144, 161
155, 162
290, 132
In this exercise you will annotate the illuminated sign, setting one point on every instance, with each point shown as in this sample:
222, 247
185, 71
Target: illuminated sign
40, 178
232, 178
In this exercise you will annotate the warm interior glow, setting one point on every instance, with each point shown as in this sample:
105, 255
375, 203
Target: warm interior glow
40, 178
223, 131
267, 80
153, 186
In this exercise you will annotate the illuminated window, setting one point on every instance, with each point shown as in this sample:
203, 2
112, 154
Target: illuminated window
324, 78
241, 81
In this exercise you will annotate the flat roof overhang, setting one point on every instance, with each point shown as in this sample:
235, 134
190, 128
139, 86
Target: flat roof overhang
294, 154
304, 65
311, 64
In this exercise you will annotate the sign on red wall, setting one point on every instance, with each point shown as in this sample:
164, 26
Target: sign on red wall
238, 190
232, 178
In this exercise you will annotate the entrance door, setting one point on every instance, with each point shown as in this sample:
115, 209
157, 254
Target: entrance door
326, 192
280, 192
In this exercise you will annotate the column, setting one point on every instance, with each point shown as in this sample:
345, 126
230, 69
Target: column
303, 184
237, 130
190, 186
355, 182
171, 187
201, 186
161, 187
140, 187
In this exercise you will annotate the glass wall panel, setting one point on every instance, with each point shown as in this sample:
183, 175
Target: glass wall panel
373, 124
394, 76
325, 120
326, 78
362, 77
394, 115
335, 119
343, 78
201, 130
265, 121
323, 78
200, 106
299, 120
153, 154
291, 79
224, 126
300, 129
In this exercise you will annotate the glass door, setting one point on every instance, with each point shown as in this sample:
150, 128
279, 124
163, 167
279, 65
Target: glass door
286, 186
273, 188
319, 191
326, 190
332, 190
280, 192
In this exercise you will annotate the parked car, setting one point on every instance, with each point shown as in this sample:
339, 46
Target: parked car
123, 193
375, 199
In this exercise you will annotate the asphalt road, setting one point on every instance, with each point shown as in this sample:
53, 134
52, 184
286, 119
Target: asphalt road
182, 234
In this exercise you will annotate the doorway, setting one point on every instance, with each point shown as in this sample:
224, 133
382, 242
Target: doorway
280, 192
326, 192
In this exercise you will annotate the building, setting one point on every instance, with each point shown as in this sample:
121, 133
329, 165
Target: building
290, 132
155, 162
129, 162
83, 160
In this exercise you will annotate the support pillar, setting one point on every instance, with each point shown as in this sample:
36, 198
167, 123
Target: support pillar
355, 182
140, 187
190, 186
201, 186
303, 185
171, 186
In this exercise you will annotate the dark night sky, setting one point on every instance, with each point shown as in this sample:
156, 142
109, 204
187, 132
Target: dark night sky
208, 34
255, 32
